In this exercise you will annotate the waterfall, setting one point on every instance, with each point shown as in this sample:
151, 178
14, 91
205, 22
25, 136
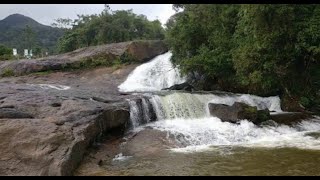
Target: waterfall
155, 75
186, 118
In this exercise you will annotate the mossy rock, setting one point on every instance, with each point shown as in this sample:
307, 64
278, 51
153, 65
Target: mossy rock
263, 115
248, 112
251, 113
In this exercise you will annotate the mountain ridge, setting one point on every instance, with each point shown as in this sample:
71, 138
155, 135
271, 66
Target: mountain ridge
12, 27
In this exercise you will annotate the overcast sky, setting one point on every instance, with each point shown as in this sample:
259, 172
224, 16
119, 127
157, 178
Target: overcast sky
46, 13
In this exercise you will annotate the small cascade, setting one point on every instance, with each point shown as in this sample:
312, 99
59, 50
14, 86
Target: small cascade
135, 114
191, 106
148, 111
141, 112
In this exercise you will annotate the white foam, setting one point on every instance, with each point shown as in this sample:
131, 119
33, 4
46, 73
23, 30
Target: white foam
272, 103
120, 157
155, 75
200, 134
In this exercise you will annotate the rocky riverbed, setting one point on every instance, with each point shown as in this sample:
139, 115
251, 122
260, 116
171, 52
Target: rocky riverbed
65, 115
48, 120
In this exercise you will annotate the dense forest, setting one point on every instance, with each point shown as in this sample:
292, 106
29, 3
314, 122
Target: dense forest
107, 27
259, 49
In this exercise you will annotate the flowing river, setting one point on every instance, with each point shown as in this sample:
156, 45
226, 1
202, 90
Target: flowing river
204, 144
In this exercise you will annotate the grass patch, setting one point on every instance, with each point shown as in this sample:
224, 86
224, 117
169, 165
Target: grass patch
117, 64
127, 58
91, 62
7, 73
42, 73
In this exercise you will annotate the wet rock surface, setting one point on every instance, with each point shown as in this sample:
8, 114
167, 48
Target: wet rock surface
145, 143
148, 142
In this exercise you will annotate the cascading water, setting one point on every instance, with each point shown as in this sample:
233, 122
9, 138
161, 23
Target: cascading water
155, 75
141, 112
202, 133
134, 114
186, 117
189, 106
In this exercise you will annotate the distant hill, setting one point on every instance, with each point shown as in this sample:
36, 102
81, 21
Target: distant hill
12, 27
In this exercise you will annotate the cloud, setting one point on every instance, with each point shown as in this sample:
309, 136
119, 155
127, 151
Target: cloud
46, 13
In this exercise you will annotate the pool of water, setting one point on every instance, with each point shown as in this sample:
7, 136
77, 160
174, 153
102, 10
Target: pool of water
223, 161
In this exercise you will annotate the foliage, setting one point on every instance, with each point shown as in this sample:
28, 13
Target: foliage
62, 23
7, 73
109, 27
261, 49
5, 53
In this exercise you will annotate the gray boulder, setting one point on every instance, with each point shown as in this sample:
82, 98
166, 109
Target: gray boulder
238, 111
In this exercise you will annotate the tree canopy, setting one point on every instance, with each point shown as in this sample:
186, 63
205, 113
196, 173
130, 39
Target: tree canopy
108, 27
5, 53
260, 49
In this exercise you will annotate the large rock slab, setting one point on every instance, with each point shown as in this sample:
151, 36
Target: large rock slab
54, 128
49, 120
103, 55
46, 130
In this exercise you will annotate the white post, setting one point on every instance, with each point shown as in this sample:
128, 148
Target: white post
26, 53
15, 52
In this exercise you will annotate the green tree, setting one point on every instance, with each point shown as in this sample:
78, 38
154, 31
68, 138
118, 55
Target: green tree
5, 53
259, 49
63, 23
109, 27
201, 40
